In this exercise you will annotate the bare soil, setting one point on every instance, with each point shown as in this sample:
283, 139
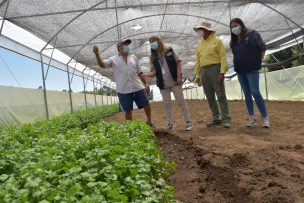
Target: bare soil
238, 164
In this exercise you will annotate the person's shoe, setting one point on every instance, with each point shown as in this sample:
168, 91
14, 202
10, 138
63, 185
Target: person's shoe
188, 125
152, 125
226, 124
266, 123
251, 122
170, 126
214, 123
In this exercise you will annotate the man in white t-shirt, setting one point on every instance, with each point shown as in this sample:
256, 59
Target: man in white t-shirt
130, 80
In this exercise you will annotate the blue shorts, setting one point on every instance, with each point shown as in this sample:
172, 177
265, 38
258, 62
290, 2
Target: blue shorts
126, 100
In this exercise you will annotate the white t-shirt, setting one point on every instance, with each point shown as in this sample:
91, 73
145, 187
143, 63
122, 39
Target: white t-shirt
125, 74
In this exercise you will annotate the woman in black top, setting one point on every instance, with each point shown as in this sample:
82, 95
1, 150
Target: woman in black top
248, 51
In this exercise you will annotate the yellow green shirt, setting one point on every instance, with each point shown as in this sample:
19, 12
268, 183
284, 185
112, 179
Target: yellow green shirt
210, 51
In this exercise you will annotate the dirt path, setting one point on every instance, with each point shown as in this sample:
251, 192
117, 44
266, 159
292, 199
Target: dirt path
237, 164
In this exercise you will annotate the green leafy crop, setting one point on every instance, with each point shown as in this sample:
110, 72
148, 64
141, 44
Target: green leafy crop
59, 161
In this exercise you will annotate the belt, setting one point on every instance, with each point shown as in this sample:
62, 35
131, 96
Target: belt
211, 65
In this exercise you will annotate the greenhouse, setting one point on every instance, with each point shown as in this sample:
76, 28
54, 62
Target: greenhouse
63, 137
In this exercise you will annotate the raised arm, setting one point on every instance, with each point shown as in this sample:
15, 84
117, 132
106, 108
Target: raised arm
99, 59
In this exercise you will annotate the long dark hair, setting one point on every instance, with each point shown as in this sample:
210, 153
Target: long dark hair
234, 38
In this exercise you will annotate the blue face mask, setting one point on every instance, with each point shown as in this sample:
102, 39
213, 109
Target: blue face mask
126, 49
236, 30
154, 45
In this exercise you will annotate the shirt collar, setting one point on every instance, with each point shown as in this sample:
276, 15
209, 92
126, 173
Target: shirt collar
209, 37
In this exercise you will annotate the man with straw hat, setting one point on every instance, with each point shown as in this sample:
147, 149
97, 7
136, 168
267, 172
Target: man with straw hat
210, 68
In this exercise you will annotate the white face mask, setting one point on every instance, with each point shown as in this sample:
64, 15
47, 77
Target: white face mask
200, 33
154, 45
236, 30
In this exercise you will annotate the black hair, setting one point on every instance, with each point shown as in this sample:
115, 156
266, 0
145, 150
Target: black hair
234, 38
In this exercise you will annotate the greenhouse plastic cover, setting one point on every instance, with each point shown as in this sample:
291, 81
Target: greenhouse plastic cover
23, 105
73, 27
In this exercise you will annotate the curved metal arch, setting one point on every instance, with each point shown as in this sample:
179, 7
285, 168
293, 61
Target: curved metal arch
170, 43
282, 14
5, 12
3, 2
76, 45
147, 16
83, 12
185, 34
118, 7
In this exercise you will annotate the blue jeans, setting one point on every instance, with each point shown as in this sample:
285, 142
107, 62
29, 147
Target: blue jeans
250, 86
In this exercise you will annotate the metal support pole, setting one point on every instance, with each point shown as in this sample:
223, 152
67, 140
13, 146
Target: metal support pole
191, 94
266, 86
117, 23
84, 90
94, 88
101, 92
110, 93
44, 89
49, 64
107, 97
112, 97
229, 7
186, 93
70, 90
44, 76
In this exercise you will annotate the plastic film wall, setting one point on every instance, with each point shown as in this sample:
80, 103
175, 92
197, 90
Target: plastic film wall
286, 84
21, 105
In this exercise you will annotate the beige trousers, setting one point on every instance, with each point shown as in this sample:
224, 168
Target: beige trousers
179, 98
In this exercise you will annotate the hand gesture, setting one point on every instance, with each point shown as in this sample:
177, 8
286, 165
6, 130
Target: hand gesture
221, 78
198, 81
142, 76
95, 49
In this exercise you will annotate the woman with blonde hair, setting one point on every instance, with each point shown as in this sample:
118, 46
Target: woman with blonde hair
166, 66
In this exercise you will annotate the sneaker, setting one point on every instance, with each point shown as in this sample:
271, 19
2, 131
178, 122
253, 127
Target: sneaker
251, 122
266, 123
188, 125
152, 125
226, 124
170, 126
214, 123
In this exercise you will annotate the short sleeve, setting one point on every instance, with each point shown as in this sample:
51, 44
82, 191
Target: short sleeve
108, 63
138, 68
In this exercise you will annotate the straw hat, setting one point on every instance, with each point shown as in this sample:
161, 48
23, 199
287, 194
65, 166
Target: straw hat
204, 25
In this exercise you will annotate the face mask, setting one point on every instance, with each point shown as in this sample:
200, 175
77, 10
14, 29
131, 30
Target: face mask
236, 30
126, 49
200, 33
154, 45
